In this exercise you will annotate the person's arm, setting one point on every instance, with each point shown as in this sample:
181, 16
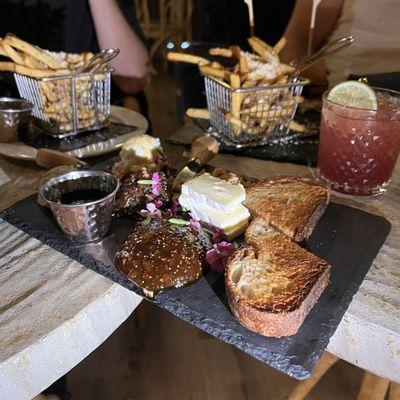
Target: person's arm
132, 64
297, 30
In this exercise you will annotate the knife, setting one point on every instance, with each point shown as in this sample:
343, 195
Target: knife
202, 151
49, 158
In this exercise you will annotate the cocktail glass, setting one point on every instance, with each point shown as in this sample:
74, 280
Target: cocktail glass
358, 148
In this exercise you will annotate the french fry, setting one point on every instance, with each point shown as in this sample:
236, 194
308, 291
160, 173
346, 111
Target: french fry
235, 81
280, 44
264, 82
215, 64
286, 69
236, 100
281, 80
238, 126
7, 66
31, 72
243, 66
258, 47
187, 58
238, 54
295, 126
223, 74
236, 97
199, 113
248, 84
255, 78
11, 53
291, 102
39, 73
2, 52
32, 62
80, 58
34, 51
235, 122
261, 43
256, 110
219, 51
87, 56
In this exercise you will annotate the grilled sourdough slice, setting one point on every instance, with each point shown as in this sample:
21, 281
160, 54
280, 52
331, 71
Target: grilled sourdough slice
290, 204
272, 283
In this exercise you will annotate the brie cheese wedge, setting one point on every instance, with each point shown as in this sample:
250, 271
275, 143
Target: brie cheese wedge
214, 192
216, 203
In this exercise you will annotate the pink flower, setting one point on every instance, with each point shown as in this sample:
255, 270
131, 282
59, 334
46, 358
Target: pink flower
217, 235
162, 159
172, 212
158, 203
156, 185
151, 210
169, 214
218, 256
194, 223
175, 207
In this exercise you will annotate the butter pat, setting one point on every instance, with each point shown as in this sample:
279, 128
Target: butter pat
140, 150
213, 192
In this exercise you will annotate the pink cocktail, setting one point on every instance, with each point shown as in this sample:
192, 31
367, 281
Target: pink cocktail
358, 148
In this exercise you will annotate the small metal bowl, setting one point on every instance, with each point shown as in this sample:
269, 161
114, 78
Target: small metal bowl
86, 221
14, 117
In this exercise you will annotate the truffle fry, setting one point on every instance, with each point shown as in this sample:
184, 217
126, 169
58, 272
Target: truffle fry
219, 51
280, 44
223, 74
200, 113
34, 51
188, 58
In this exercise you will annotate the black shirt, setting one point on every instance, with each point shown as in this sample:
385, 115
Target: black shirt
58, 25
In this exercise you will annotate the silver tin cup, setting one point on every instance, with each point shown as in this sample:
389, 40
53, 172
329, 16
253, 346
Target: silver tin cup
84, 222
14, 117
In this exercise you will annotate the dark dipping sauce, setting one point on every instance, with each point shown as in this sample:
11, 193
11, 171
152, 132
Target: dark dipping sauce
82, 196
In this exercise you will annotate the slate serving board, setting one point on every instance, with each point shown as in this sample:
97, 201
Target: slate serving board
349, 239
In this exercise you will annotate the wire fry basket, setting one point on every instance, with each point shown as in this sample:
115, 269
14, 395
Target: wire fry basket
67, 105
252, 115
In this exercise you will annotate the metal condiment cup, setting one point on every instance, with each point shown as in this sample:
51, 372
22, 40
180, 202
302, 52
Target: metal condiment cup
87, 222
14, 117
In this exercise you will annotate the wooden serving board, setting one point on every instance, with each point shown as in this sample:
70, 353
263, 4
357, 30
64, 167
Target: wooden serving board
348, 238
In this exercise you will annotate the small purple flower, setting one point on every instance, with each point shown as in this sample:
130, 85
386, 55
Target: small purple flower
169, 214
158, 203
151, 210
162, 159
194, 223
217, 235
156, 185
218, 256
175, 207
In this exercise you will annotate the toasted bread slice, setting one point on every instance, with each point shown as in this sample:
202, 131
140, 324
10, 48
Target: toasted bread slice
272, 283
290, 204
